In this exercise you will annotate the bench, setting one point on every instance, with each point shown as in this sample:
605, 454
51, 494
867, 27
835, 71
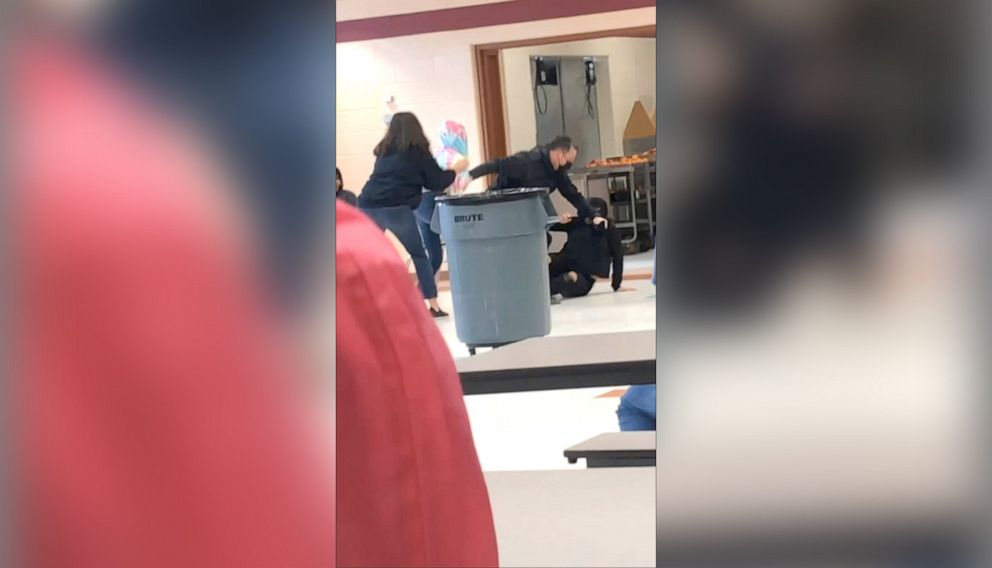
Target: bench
615, 449
562, 362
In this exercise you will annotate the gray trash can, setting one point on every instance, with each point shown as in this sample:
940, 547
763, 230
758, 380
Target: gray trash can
497, 262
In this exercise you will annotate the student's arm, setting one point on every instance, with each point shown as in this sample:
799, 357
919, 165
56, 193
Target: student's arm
435, 179
565, 227
616, 251
571, 193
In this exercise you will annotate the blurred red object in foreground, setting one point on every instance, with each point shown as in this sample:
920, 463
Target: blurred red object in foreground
412, 490
161, 420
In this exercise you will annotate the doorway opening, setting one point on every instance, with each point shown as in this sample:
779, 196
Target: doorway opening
497, 132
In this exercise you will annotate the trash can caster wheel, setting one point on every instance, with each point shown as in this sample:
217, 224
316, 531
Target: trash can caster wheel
471, 350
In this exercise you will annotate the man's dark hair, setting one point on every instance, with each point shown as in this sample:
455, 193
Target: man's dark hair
404, 133
563, 143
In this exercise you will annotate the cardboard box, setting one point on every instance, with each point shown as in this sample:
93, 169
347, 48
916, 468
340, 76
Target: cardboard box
640, 134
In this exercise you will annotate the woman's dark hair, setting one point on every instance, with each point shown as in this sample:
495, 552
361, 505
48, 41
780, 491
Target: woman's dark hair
404, 132
339, 177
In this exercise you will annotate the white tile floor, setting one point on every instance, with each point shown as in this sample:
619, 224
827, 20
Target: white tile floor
642, 262
529, 431
603, 310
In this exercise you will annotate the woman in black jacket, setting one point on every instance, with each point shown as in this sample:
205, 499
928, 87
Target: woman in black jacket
403, 168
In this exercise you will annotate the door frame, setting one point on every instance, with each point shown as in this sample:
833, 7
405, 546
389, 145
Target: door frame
489, 81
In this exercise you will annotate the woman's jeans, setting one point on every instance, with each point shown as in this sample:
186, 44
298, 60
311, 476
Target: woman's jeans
638, 408
432, 240
401, 222
432, 244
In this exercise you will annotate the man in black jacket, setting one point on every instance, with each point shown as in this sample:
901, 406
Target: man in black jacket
588, 254
544, 166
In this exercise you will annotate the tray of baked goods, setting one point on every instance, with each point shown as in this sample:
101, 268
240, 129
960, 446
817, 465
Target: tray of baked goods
636, 159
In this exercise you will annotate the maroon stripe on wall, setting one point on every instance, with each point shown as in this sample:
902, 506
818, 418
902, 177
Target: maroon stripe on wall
479, 16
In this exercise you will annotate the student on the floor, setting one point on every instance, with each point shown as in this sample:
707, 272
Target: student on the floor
342, 193
544, 166
589, 253
404, 167
415, 493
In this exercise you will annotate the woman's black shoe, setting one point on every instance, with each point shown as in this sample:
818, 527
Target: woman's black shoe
439, 313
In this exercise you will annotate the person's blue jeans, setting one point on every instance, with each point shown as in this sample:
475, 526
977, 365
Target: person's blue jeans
401, 222
432, 240
432, 244
638, 408
654, 267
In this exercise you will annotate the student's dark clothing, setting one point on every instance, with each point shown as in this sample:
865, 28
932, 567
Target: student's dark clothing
432, 240
560, 282
432, 245
425, 210
533, 169
590, 251
348, 197
400, 178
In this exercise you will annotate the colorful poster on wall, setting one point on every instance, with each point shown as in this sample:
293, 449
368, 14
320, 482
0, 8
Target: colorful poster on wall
454, 142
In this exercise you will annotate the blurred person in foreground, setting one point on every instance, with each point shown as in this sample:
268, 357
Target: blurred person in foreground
412, 493
810, 134
404, 167
162, 419
256, 76
784, 166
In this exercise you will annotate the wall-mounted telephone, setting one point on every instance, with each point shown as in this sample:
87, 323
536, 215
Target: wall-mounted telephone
590, 65
547, 72
590, 71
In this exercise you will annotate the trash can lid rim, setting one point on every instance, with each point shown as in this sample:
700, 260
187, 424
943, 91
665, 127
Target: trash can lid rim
496, 196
